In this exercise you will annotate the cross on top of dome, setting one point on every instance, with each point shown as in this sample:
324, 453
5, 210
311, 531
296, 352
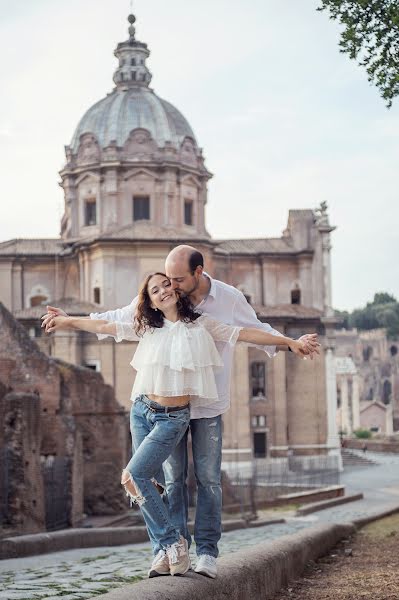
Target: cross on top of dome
132, 55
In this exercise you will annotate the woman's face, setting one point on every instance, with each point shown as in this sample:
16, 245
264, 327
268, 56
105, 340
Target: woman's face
161, 294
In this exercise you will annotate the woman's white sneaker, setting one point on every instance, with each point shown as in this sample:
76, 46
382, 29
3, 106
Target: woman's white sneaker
206, 565
179, 558
160, 565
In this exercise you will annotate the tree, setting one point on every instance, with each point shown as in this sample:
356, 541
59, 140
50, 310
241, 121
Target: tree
370, 36
383, 311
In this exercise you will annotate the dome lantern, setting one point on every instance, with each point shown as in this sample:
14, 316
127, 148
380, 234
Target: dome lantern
132, 55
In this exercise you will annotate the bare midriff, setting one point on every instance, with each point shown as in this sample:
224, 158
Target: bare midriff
170, 400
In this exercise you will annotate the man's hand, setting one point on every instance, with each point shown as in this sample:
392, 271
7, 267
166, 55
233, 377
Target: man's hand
52, 311
58, 322
309, 344
298, 348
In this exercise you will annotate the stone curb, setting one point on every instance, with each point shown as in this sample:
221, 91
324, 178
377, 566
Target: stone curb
68, 539
315, 506
256, 572
359, 523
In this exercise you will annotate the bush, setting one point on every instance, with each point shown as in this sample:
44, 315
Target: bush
363, 434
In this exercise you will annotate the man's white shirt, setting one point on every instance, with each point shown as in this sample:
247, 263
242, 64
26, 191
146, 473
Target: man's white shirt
225, 304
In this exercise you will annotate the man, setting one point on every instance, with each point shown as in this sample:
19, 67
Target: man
184, 267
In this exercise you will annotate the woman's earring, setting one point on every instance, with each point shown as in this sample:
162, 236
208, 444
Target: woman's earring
155, 309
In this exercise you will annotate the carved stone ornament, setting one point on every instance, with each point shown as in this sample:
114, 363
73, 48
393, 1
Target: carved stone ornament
139, 145
89, 150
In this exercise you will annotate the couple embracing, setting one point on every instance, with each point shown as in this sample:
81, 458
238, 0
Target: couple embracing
187, 324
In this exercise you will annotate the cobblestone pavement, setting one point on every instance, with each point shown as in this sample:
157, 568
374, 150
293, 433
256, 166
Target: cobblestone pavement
83, 573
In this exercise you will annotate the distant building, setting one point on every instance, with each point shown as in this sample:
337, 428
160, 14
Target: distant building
367, 366
135, 185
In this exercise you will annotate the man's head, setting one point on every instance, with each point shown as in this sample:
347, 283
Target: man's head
184, 266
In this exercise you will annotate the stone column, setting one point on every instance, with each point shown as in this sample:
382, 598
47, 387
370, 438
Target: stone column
355, 402
326, 258
237, 442
18, 300
345, 421
279, 398
389, 420
331, 397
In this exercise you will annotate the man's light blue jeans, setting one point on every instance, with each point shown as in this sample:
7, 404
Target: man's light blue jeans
154, 437
206, 435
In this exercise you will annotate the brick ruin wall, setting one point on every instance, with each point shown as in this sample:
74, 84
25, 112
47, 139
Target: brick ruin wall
61, 432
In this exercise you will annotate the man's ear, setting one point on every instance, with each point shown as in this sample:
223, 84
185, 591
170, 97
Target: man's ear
199, 269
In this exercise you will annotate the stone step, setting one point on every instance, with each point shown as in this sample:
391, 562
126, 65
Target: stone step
350, 458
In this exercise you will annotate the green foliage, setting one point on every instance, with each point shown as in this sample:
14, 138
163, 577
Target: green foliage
363, 434
370, 36
344, 315
383, 298
383, 311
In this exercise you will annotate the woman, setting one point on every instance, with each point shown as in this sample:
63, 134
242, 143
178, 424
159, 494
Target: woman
175, 363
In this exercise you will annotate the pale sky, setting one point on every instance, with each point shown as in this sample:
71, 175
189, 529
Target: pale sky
284, 119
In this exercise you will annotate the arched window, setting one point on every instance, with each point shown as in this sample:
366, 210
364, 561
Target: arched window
97, 295
38, 295
296, 295
258, 380
386, 392
339, 401
38, 300
367, 353
90, 212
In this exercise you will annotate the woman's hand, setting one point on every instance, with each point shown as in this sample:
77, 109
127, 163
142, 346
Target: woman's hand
52, 311
299, 348
57, 322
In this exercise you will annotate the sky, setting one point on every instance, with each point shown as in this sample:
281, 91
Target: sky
285, 121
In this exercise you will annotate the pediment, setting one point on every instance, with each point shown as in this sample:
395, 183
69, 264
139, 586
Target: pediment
90, 175
139, 173
191, 180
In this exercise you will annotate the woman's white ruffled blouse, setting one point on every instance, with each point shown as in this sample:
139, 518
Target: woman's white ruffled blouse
179, 358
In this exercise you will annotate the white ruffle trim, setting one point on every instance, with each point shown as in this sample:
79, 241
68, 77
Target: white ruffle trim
182, 348
162, 381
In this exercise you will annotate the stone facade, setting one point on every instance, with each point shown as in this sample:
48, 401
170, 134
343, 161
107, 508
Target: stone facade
368, 381
57, 420
135, 185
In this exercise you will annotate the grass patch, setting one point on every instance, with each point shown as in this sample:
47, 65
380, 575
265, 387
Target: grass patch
383, 528
285, 507
90, 559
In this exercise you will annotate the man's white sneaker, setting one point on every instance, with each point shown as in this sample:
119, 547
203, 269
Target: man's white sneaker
179, 559
160, 565
206, 565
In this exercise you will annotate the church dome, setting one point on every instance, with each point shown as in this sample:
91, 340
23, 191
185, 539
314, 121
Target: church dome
116, 115
132, 104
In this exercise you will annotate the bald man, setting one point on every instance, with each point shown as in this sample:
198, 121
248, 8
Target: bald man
185, 268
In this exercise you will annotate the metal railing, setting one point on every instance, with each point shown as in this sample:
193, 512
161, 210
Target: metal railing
247, 487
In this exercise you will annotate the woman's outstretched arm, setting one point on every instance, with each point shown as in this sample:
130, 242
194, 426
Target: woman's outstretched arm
259, 337
82, 323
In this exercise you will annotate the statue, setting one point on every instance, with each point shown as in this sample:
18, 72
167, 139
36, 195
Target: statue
321, 214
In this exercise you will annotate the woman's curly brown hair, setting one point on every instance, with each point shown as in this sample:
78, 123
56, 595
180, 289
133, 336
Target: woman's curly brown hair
148, 318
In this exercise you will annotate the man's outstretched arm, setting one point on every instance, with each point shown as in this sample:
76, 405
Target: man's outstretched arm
245, 316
